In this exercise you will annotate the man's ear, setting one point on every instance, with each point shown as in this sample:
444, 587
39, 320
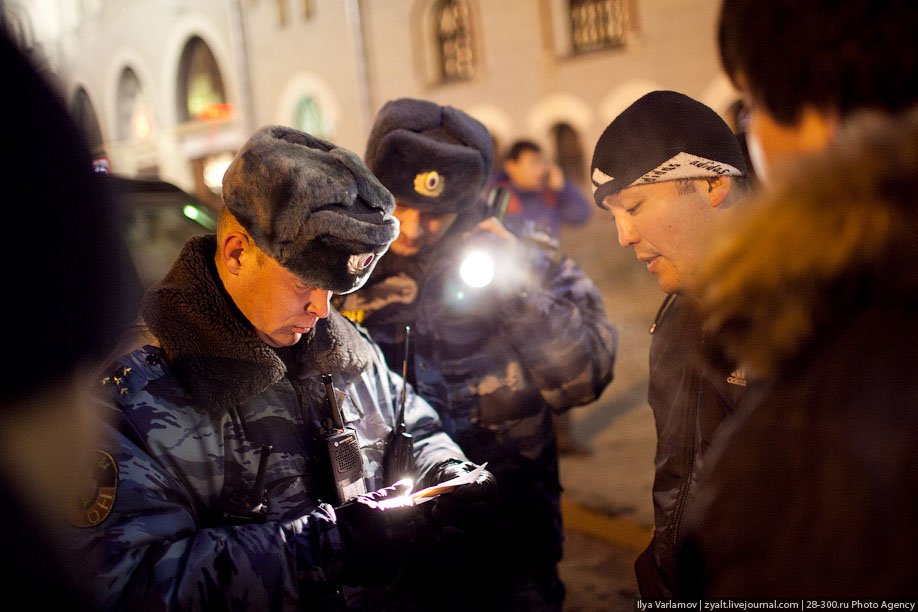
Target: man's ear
232, 248
718, 188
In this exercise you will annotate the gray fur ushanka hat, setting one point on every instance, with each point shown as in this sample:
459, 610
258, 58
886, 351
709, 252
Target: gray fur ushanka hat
433, 158
312, 206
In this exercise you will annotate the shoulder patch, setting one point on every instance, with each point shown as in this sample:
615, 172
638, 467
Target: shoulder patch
357, 316
118, 379
133, 371
97, 494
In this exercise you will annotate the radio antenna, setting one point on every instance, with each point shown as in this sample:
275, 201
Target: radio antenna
400, 423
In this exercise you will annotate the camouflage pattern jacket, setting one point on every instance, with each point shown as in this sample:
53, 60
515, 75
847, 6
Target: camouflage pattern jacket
494, 363
192, 416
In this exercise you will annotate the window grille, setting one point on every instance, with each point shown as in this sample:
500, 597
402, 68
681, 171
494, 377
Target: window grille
452, 19
598, 24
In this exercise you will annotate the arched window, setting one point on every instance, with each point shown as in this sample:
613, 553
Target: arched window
134, 117
201, 95
85, 116
455, 44
308, 117
598, 24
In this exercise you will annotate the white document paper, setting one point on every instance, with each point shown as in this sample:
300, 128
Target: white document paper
426, 495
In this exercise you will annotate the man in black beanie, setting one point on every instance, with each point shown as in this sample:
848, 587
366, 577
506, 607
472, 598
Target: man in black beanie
495, 361
672, 173
247, 420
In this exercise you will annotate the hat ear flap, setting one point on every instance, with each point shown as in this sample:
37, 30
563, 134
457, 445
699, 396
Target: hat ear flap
401, 114
368, 186
470, 132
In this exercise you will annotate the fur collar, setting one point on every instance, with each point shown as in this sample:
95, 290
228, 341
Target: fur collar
834, 237
214, 350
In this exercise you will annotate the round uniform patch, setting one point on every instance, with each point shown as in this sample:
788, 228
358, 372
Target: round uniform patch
97, 496
358, 263
430, 183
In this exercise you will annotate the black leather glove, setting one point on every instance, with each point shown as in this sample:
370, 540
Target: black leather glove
467, 505
378, 535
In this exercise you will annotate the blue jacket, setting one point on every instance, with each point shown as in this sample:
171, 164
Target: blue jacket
544, 210
191, 415
495, 363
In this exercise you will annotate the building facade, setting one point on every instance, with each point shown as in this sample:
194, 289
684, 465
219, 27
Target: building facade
172, 88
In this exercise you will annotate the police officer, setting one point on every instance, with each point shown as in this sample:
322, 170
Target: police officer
247, 421
494, 361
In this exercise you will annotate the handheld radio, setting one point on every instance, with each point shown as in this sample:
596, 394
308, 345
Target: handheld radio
399, 459
343, 450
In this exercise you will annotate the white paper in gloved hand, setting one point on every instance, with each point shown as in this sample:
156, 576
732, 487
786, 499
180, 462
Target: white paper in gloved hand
430, 493
425, 495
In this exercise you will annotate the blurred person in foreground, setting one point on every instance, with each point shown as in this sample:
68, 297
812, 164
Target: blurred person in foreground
542, 201
213, 487
73, 293
494, 361
812, 493
673, 175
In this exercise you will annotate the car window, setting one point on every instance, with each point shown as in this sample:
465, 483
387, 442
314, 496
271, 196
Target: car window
157, 219
156, 233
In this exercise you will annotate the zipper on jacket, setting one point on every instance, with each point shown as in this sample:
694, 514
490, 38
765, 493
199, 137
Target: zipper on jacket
667, 302
682, 499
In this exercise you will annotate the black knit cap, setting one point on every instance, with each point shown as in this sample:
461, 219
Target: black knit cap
663, 136
312, 206
433, 158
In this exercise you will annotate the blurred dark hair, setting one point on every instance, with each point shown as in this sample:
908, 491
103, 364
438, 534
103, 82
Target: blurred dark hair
835, 56
71, 287
517, 148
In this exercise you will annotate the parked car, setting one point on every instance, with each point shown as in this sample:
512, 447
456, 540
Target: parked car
158, 218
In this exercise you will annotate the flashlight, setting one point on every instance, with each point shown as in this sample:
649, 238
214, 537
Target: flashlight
478, 266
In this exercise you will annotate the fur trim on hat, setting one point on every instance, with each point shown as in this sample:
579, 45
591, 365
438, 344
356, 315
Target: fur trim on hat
312, 206
431, 157
836, 235
663, 136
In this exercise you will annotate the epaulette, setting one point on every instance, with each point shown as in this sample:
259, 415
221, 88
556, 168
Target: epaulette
133, 371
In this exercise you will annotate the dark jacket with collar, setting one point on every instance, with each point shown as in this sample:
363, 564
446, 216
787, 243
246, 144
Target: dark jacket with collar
691, 392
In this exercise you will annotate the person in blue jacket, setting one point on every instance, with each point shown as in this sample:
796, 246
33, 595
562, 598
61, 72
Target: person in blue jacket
542, 199
245, 420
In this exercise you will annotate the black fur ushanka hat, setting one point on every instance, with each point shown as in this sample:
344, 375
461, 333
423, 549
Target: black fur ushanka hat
312, 206
433, 158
